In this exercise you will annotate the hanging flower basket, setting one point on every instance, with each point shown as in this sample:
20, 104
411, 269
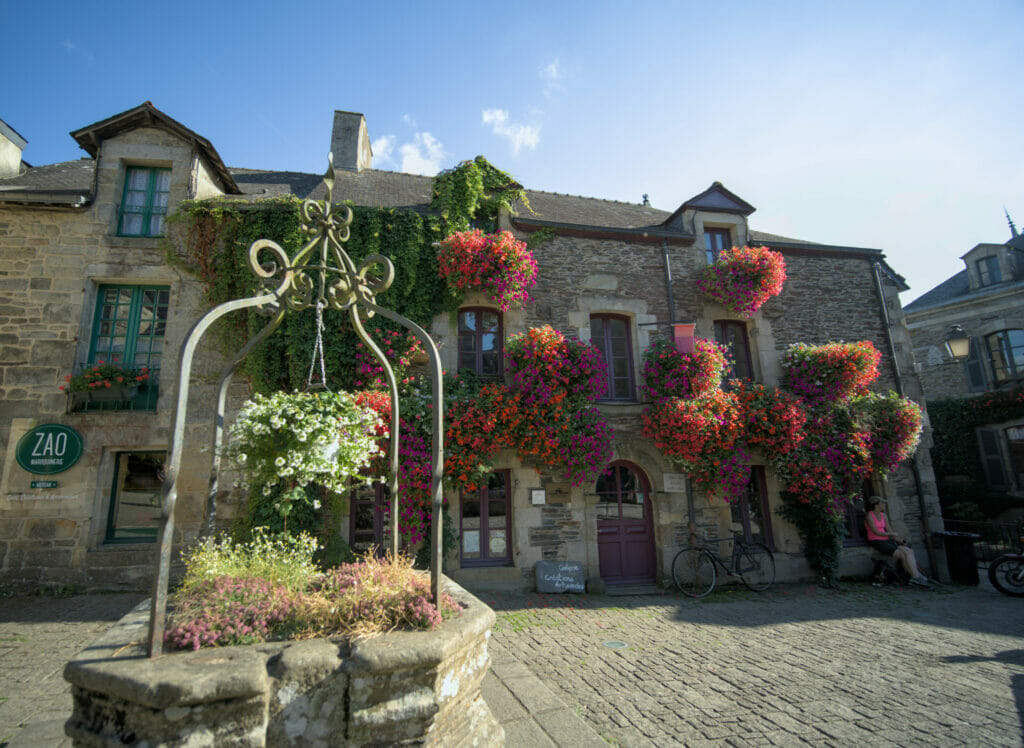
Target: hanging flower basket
669, 373
497, 264
744, 278
830, 372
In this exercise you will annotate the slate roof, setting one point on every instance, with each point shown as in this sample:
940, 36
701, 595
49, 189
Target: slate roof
71, 182
950, 289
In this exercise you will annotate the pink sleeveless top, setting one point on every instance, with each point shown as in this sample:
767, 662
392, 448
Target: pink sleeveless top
875, 524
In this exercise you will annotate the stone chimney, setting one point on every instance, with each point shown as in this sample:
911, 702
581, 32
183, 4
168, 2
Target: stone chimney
11, 146
350, 142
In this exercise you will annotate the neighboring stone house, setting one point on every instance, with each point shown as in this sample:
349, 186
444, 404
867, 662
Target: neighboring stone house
986, 300
84, 276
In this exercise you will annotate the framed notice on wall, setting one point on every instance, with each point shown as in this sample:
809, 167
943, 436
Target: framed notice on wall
675, 483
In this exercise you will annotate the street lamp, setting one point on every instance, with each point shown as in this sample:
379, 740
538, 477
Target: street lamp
958, 343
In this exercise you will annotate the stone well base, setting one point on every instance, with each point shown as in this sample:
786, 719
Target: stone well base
402, 687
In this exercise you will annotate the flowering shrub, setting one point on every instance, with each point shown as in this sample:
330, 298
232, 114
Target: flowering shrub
772, 420
831, 461
830, 372
230, 610
374, 595
497, 264
289, 441
702, 437
400, 349
104, 375
281, 560
669, 373
893, 428
270, 588
542, 361
743, 279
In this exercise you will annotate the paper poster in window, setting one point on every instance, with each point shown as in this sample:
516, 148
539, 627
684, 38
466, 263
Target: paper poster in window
497, 543
470, 541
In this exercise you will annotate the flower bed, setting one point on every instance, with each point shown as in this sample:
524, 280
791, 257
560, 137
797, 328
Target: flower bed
269, 588
396, 688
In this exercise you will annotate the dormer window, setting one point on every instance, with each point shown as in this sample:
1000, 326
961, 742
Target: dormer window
715, 241
144, 205
988, 271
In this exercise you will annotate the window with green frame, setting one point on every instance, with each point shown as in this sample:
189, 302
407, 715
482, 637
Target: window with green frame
144, 203
128, 329
135, 497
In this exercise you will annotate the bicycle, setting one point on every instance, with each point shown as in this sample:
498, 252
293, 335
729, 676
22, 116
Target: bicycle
693, 568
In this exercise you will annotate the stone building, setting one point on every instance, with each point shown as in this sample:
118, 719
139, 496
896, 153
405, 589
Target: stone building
84, 275
986, 300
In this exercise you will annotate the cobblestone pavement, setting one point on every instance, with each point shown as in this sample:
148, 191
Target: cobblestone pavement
38, 635
797, 665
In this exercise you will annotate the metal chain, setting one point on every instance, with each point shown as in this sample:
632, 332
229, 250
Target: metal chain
318, 349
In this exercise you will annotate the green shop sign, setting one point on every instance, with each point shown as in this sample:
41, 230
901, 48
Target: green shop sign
48, 449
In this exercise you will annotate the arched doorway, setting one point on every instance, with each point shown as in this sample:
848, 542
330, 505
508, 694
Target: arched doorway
625, 525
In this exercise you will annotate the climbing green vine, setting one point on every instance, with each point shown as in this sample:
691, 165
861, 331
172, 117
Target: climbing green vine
474, 192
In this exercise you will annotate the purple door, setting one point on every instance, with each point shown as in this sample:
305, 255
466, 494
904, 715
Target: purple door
625, 529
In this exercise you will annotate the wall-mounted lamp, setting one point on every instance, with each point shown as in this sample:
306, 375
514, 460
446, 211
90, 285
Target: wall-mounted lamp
958, 343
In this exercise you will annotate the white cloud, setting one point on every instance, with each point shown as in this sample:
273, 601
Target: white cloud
382, 148
519, 136
552, 76
423, 155
409, 120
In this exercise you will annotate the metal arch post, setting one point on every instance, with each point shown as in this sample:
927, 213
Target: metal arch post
218, 423
395, 433
158, 604
437, 446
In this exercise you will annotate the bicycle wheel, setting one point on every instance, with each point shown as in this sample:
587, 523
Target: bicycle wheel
693, 570
756, 567
1006, 574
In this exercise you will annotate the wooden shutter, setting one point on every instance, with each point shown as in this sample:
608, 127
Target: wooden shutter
974, 368
992, 459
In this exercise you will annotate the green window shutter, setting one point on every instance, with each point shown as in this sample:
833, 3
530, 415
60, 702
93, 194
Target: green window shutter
144, 201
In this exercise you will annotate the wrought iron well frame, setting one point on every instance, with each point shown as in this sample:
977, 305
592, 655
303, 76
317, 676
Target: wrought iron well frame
319, 273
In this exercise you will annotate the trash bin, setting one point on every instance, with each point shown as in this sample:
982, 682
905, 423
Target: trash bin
960, 556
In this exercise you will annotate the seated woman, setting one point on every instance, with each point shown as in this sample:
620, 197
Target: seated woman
884, 540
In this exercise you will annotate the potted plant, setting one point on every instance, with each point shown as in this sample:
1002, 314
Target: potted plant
104, 382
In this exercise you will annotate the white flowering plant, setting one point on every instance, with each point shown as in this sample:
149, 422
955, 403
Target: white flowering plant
286, 442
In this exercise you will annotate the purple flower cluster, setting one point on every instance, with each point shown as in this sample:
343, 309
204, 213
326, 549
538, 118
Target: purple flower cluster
230, 610
542, 361
669, 373
744, 278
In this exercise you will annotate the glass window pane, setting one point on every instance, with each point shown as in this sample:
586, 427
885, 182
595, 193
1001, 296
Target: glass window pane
467, 320
131, 224
596, 331
138, 179
489, 322
496, 509
163, 180
135, 504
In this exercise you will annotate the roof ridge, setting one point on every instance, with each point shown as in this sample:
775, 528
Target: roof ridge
599, 199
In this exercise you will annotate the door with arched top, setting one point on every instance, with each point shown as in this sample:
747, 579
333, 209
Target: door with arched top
625, 526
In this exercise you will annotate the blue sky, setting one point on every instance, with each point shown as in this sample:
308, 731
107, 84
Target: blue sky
894, 125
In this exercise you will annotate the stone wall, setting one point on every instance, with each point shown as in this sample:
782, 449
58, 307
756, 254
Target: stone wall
827, 297
52, 263
400, 687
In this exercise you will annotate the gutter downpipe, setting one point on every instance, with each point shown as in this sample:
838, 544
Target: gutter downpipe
667, 259
877, 272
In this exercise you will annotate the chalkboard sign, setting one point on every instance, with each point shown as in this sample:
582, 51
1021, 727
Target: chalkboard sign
560, 576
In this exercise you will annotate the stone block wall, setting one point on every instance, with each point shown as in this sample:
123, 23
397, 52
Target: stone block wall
52, 263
